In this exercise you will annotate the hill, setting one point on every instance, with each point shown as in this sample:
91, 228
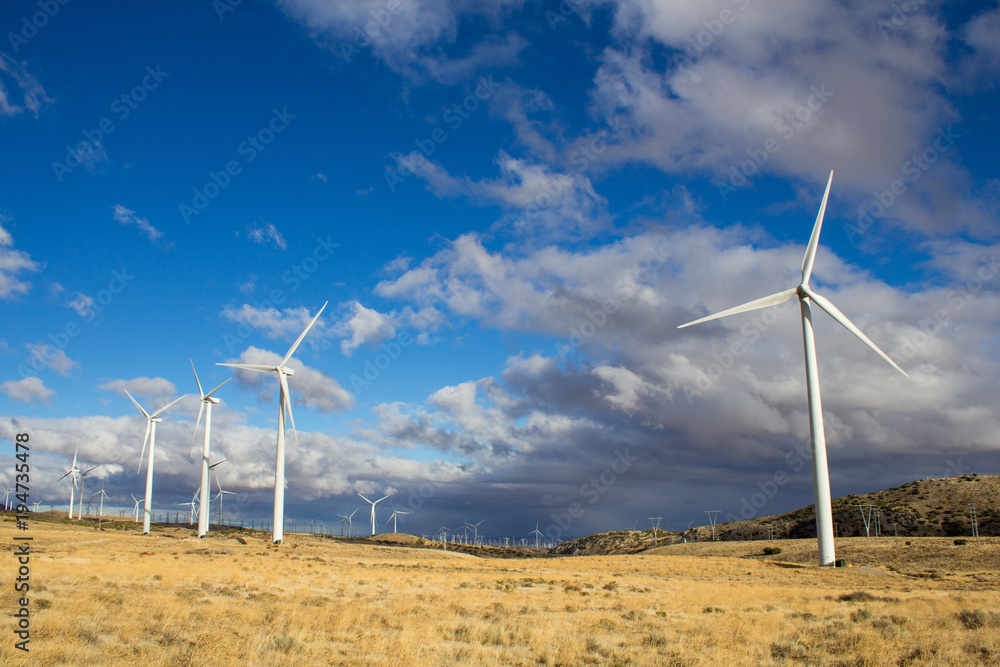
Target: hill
936, 507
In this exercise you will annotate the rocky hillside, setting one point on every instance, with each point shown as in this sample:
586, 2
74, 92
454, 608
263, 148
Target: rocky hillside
926, 507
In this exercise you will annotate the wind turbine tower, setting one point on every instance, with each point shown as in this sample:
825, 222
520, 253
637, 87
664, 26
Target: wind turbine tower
284, 404
207, 400
74, 474
151, 421
807, 297
373, 504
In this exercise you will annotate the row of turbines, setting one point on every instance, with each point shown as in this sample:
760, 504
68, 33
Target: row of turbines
805, 294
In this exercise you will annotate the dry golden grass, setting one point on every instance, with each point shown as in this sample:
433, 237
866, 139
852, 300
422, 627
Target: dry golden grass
118, 598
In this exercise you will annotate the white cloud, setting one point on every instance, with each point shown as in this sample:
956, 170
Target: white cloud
413, 39
12, 263
81, 303
540, 204
275, 324
33, 95
154, 390
363, 325
319, 177
52, 357
128, 217
28, 390
265, 234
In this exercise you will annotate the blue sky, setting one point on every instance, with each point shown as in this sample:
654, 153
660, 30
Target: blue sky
509, 206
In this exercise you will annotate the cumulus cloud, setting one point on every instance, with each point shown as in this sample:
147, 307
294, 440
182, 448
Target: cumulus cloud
54, 358
415, 39
154, 390
275, 324
129, 217
12, 264
28, 390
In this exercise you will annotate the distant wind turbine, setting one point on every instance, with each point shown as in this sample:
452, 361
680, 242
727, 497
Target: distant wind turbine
151, 421
806, 296
537, 533
349, 518
373, 504
284, 404
83, 477
6, 497
395, 513
137, 502
206, 405
219, 496
74, 474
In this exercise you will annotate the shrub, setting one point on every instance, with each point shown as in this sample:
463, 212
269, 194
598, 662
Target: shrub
771, 551
960, 542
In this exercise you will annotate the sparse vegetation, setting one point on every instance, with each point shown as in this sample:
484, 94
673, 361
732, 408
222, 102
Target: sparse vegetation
317, 601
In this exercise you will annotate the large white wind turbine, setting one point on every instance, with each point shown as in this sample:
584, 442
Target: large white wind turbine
206, 405
284, 404
806, 296
151, 421
74, 474
373, 504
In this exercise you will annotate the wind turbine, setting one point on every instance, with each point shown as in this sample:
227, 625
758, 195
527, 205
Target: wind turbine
349, 518
206, 405
395, 513
806, 296
103, 495
284, 403
221, 494
373, 504
74, 480
83, 476
537, 533
36, 504
475, 531
6, 497
151, 421
137, 502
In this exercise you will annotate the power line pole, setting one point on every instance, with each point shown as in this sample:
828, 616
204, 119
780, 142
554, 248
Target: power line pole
712, 516
655, 520
975, 520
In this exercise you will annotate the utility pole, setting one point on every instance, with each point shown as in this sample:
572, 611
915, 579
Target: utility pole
975, 520
712, 516
655, 520
866, 518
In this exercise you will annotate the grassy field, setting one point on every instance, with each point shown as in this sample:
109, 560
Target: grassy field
114, 597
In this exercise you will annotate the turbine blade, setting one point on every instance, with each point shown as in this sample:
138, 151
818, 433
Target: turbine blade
291, 350
65, 476
200, 391
144, 441
835, 313
165, 407
217, 388
288, 404
219, 463
810, 256
764, 302
381, 499
136, 405
363, 496
77, 451
260, 368
201, 409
